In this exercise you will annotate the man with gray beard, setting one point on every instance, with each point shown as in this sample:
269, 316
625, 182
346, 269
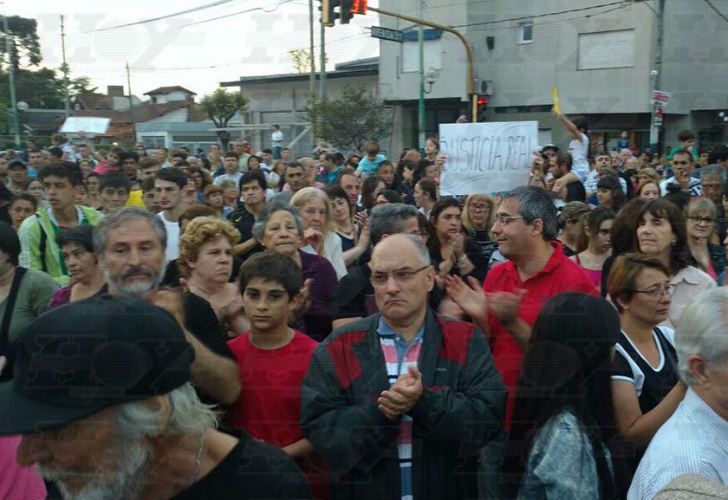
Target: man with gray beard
102, 399
130, 245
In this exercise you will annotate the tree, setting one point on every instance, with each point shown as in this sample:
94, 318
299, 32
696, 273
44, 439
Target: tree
221, 106
23, 41
42, 88
351, 119
301, 60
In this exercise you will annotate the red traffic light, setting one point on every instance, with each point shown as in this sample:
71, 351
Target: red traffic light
482, 100
359, 7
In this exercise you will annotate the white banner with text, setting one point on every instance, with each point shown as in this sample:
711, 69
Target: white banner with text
486, 157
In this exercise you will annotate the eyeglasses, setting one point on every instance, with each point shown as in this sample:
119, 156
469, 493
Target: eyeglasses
400, 276
704, 220
477, 207
504, 220
658, 291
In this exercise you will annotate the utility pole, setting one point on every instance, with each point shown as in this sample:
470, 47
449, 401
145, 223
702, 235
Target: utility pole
322, 69
312, 58
9, 46
64, 68
656, 76
421, 101
131, 99
470, 75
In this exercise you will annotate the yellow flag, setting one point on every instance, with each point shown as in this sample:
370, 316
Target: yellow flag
555, 95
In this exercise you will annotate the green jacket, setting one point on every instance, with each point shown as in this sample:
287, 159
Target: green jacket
38, 248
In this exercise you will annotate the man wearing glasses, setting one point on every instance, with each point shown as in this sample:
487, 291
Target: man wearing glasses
400, 403
682, 168
537, 269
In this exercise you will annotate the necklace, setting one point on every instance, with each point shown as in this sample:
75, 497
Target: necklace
198, 460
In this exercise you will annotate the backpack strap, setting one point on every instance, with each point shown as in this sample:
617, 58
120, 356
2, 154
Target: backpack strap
9, 306
42, 244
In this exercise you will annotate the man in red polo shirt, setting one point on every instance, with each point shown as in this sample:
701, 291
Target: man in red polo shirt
537, 269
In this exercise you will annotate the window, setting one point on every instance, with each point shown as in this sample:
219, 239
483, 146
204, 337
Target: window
525, 33
153, 141
432, 51
606, 49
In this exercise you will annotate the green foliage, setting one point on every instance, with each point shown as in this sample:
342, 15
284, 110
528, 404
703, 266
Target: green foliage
221, 106
25, 45
352, 119
42, 88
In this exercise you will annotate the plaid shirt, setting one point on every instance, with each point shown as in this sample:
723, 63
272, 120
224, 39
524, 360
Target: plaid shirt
399, 355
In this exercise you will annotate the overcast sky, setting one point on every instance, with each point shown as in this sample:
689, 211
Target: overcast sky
174, 51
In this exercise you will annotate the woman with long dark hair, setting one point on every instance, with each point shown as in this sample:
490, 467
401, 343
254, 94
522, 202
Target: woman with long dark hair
563, 412
610, 194
597, 227
661, 233
370, 188
451, 251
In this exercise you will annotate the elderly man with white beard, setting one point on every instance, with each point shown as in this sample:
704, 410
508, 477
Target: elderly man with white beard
130, 245
102, 399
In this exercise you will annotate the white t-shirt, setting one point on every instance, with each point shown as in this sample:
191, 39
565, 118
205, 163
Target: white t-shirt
277, 138
172, 250
228, 177
579, 150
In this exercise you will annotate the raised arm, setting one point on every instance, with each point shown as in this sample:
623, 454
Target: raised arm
569, 126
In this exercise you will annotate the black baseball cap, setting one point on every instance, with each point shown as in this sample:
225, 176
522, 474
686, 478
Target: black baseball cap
86, 356
15, 161
548, 147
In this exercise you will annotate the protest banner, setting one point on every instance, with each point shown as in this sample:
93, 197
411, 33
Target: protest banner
88, 125
486, 157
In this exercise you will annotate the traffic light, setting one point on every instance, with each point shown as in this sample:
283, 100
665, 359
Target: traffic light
345, 14
482, 107
346, 10
328, 16
359, 7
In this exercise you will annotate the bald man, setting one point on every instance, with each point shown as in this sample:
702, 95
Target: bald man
400, 380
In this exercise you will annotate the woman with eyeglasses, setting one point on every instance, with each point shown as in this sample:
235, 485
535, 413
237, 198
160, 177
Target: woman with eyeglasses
646, 386
661, 233
478, 215
701, 215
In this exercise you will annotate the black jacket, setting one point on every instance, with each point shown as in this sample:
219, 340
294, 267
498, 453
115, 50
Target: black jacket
461, 409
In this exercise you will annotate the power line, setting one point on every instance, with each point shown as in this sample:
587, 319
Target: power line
233, 63
531, 17
557, 21
241, 12
715, 9
525, 18
151, 20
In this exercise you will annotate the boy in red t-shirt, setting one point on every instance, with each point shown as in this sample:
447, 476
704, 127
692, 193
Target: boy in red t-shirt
273, 359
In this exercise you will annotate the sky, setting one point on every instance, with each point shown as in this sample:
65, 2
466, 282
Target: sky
174, 51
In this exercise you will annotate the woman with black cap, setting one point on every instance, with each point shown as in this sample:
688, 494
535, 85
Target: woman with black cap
24, 293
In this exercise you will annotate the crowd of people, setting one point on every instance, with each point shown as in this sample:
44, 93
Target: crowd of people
226, 324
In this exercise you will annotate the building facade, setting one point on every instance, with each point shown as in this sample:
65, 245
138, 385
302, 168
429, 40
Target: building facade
598, 54
282, 100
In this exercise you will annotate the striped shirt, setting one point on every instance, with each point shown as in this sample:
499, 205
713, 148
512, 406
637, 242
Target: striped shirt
694, 440
399, 355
